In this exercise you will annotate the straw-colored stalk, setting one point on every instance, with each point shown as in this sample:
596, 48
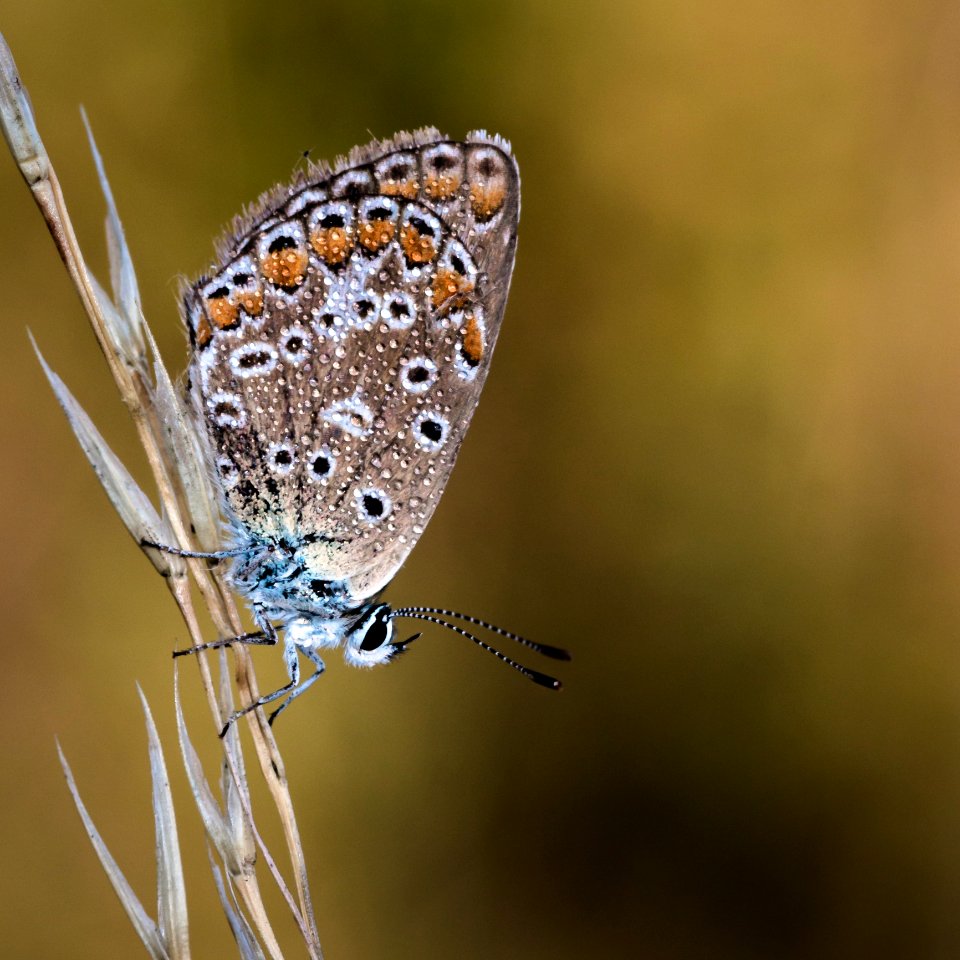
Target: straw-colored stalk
187, 518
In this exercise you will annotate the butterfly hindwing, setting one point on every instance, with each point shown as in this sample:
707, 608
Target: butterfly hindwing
341, 345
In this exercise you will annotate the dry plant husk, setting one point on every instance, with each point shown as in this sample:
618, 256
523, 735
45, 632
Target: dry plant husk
186, 518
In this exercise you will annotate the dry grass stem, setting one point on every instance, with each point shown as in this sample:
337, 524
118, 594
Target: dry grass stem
188, 519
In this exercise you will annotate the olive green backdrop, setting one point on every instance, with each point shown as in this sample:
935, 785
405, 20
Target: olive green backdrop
718, 457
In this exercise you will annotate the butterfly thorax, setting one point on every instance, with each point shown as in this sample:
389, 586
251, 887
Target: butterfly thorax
286, 577
284, 581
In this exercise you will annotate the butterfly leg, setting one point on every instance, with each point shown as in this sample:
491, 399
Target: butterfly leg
266, 636
191, 554
294, 688
313, 657
257, 638
293, 668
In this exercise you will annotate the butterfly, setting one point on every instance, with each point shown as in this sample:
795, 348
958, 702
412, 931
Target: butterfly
338, 350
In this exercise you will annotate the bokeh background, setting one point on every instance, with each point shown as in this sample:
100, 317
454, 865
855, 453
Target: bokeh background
718, 457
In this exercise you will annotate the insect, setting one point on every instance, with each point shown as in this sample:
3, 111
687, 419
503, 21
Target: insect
338, 350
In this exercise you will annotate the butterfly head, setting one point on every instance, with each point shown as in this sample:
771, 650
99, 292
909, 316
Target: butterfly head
368, 636
369, 641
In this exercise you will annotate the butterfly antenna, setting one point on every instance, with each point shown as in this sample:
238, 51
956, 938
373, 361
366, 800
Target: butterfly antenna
534, 675
555, 653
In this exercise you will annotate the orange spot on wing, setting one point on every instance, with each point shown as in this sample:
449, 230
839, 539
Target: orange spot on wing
251, 301
400, 188
222, 312
486, 200
442, 187
286, 268
449, 289
374, 235
472, 342
333, 244
204, 332
418, 248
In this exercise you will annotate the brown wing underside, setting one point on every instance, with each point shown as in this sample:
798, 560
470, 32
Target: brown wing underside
340, 349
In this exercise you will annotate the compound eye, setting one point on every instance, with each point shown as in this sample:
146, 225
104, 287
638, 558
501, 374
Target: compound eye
378, 632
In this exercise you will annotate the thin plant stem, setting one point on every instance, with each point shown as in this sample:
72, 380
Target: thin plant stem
187, 500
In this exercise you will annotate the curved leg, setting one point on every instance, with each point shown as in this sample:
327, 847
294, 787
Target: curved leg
257, 638
266, 636
314, 658
294, 688
192, 554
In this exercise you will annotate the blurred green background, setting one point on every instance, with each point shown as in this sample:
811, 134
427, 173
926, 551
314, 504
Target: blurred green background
717, 457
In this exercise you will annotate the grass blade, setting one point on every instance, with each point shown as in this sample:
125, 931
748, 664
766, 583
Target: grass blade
171, 891
242, 933
146, 929
135, 509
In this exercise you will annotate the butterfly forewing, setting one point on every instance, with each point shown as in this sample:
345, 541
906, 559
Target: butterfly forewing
341, 345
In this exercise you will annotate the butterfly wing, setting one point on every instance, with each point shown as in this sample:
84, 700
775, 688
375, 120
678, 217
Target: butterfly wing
340, 348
